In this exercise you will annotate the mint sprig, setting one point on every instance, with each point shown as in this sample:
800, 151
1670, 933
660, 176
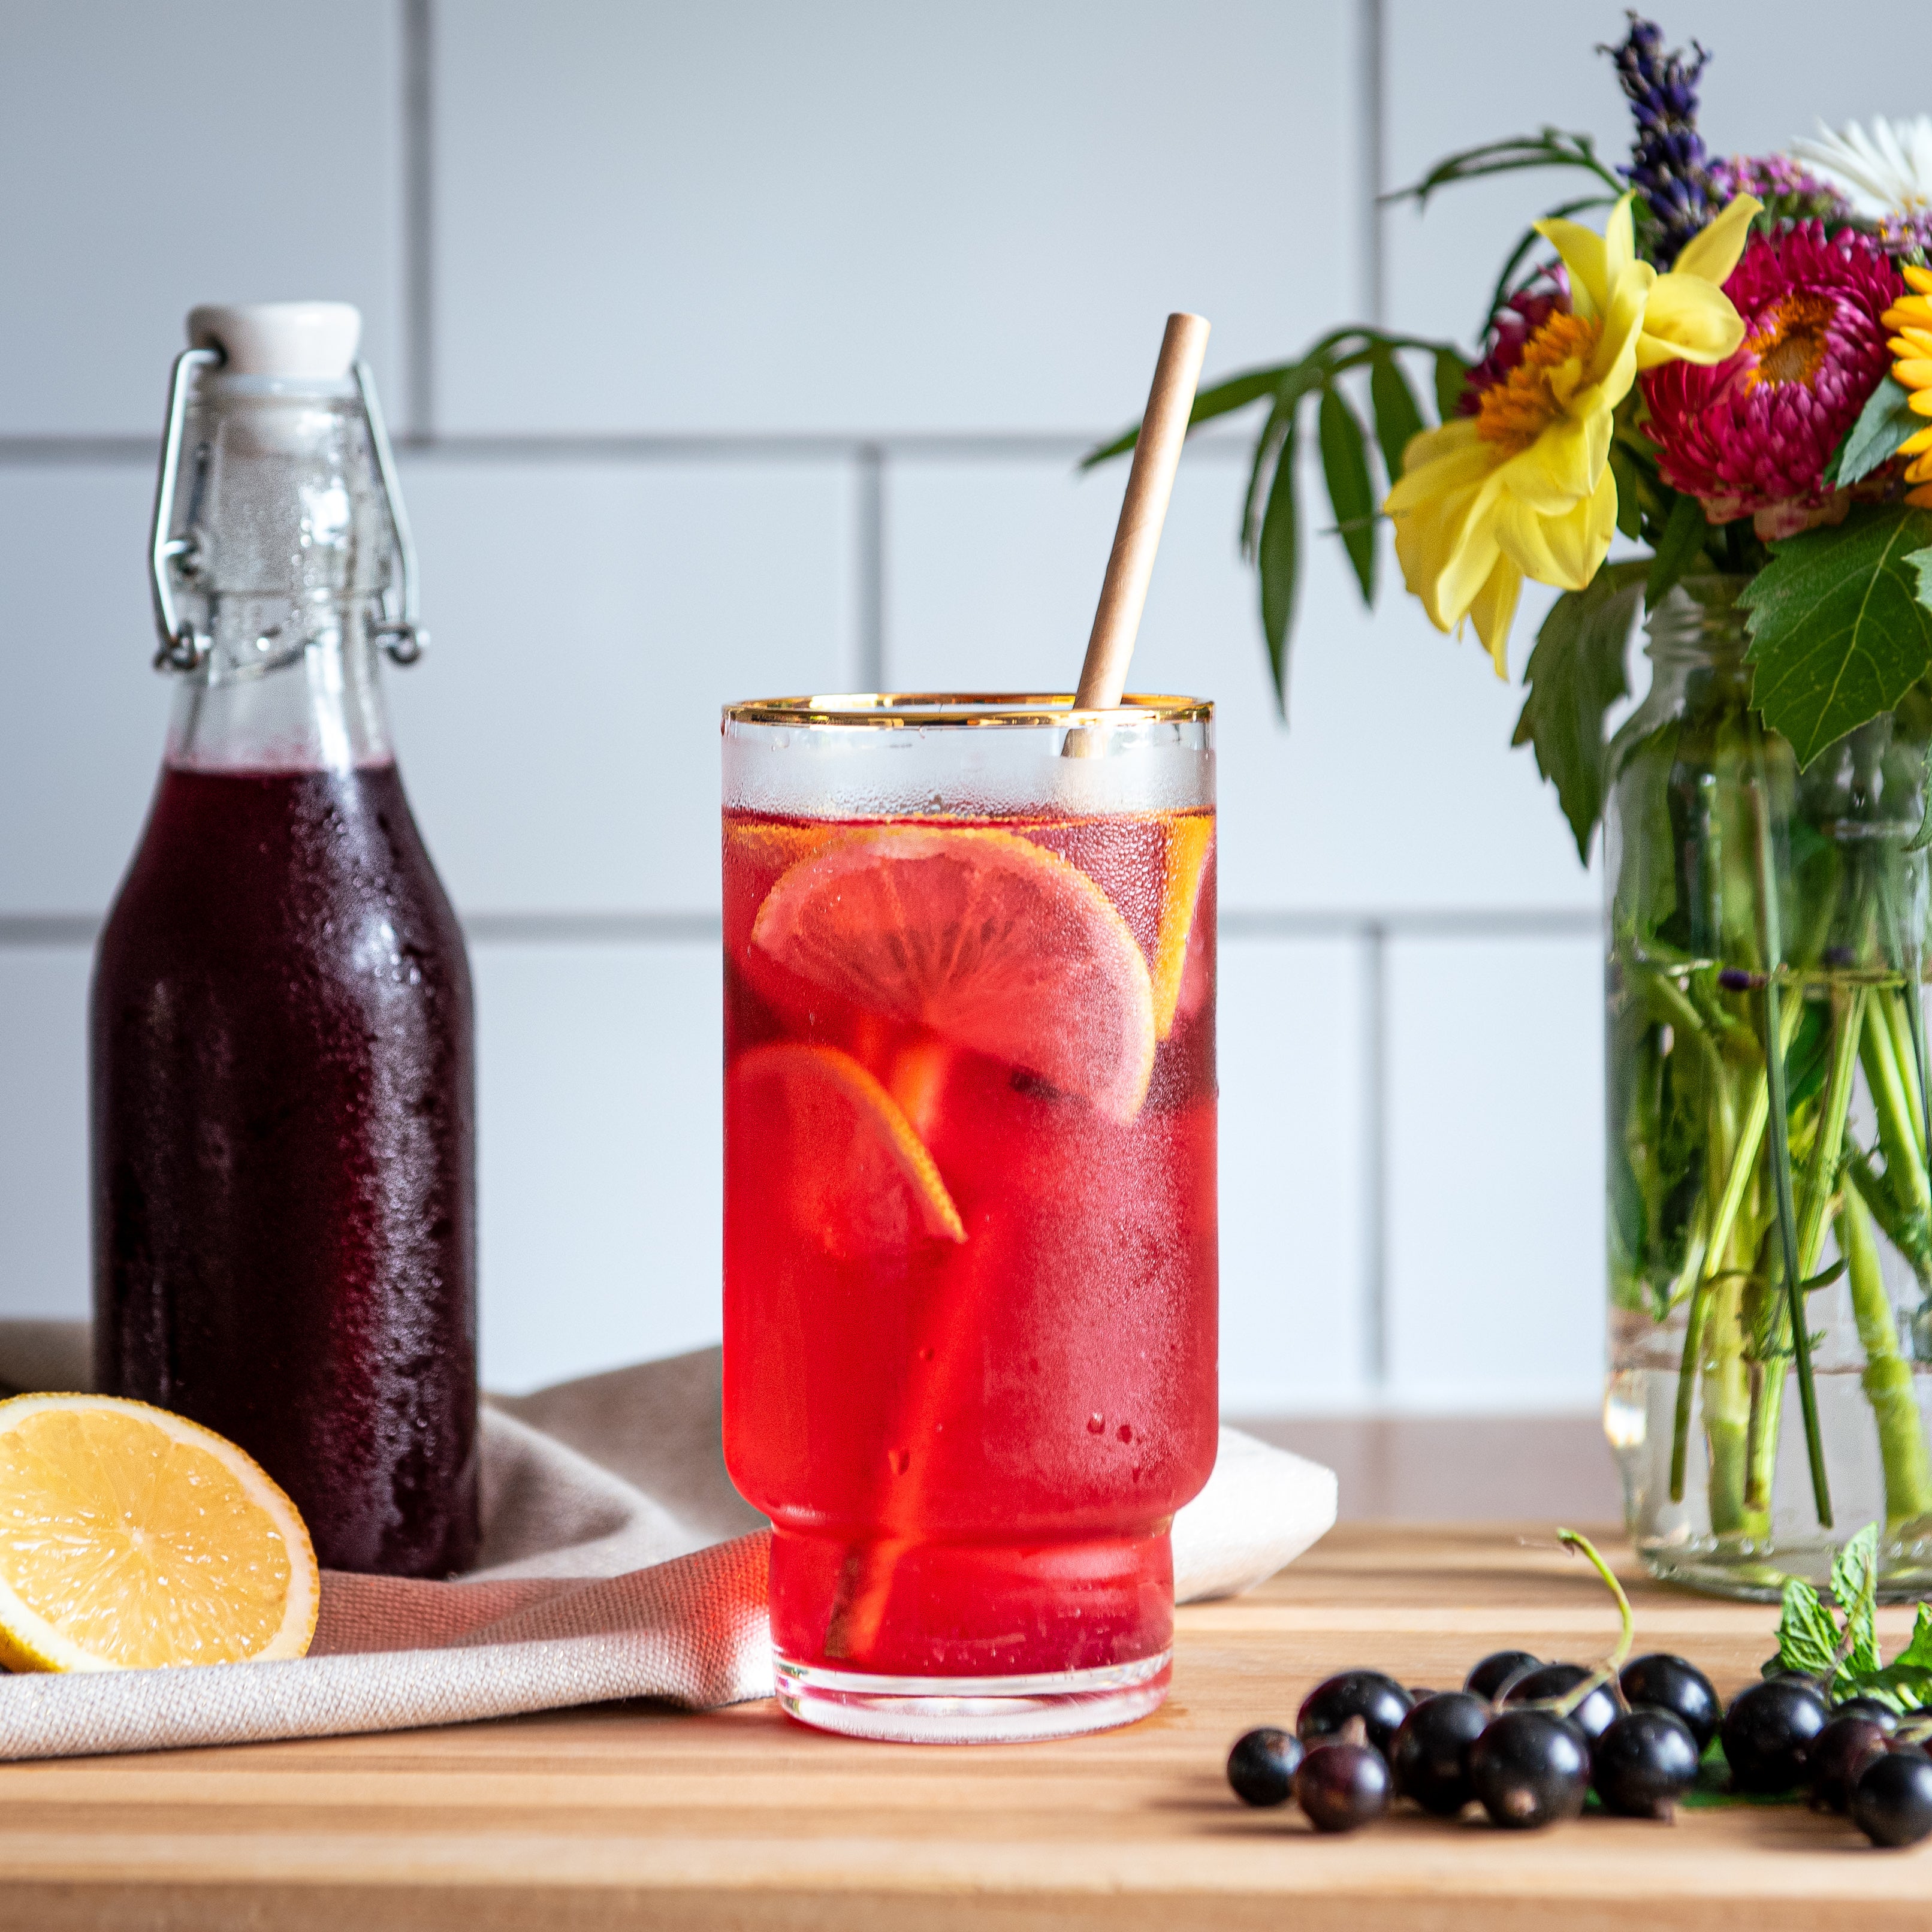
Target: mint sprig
1837, 1643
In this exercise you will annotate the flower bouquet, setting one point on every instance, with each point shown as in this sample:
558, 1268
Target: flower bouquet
1733, 374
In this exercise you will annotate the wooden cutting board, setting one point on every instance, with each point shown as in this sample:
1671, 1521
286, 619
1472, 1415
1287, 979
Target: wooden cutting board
633, 1816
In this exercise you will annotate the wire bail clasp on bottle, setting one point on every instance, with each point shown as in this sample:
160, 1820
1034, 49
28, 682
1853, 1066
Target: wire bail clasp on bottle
180, 646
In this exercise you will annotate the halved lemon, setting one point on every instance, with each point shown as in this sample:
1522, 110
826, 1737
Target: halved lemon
853, 1168
131, 1537
985, 938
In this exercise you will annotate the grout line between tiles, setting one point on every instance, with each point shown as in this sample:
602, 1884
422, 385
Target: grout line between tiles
26, 452
869, 667
419, 211
24, 930
1373, 84
1374, 1150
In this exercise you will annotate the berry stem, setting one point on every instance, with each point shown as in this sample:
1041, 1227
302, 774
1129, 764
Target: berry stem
1606, 1671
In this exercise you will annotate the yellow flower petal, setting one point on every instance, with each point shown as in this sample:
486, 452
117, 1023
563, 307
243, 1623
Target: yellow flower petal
1565, 550
1920, 279
1909, 312
1439, 460
1920, 402
1619, 241
1912, 342
1922, 498
1586, 258
1916, 444
1562, 466
1493, 611
1688, 320
1913, 375
1710, 255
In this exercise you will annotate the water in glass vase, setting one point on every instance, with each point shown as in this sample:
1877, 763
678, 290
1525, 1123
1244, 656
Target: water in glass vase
1769, 1255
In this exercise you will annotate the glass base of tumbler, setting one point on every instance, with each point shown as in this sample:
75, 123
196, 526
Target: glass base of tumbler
971, 1710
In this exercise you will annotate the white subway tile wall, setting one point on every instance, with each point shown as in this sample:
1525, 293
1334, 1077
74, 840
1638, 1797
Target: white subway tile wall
745, 348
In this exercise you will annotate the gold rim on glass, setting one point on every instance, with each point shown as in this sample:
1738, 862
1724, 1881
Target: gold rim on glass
898, 710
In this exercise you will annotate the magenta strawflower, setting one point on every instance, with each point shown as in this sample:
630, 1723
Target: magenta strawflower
1750, 437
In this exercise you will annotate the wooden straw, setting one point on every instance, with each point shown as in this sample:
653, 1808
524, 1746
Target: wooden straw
1150, 483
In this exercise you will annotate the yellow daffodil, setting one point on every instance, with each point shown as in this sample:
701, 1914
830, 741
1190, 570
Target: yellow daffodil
1523, 488
1912, 316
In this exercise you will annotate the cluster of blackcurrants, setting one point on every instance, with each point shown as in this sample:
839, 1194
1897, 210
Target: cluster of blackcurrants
1529, 1740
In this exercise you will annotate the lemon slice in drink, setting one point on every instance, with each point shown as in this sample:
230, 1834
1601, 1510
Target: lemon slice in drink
1189, 840
130, 1538
990, 940
853, 1168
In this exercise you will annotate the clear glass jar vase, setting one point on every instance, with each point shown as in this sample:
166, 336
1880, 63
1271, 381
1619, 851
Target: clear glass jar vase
1757, 1427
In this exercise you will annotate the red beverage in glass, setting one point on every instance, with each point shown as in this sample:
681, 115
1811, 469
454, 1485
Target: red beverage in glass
970, 1235
282, 1103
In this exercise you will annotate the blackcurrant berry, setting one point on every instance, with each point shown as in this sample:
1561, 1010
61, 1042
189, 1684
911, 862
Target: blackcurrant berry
1667, 1683
1892, 1802
1768, 1732
1496, 1669
1593, 1716
1262, 1764
1883, 1715
1380, 1702
1843, 1749
1430, 1756
1341, 1786
1529, 1768
1644, 1763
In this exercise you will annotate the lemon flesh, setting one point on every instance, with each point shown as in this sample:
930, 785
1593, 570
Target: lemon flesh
130, 1538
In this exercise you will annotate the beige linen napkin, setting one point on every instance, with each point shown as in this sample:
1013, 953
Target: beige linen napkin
617, 1562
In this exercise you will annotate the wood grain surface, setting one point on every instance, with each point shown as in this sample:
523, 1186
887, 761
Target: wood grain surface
633, 1816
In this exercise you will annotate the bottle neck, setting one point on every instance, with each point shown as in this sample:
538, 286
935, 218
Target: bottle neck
314, 706
288, 552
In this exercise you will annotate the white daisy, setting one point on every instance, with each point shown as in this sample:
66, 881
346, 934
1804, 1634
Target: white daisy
1886, 172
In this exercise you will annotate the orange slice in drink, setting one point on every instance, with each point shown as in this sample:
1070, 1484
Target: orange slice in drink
852, 1168
1189, 840
992, 942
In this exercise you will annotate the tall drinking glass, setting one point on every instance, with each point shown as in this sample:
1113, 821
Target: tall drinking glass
970, 1250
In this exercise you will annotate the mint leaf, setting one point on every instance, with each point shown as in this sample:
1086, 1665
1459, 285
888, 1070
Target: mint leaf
1855, 1584
1838, 632
1917, 1654
1808, 1639
1872, 441
1575, 674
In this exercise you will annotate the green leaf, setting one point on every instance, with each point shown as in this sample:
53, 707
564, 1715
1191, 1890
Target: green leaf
1808, 1639
1630, 509
1839, 633
1680, 546
1855, 1584
1398, 415
1872, 441
1344, 467
1549, 147
1575, 674
1917, 1654
1276, 553
1451, 374
1236, 393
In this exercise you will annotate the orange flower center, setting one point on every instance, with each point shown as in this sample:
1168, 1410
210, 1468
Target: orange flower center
1791, 340
1515, 411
